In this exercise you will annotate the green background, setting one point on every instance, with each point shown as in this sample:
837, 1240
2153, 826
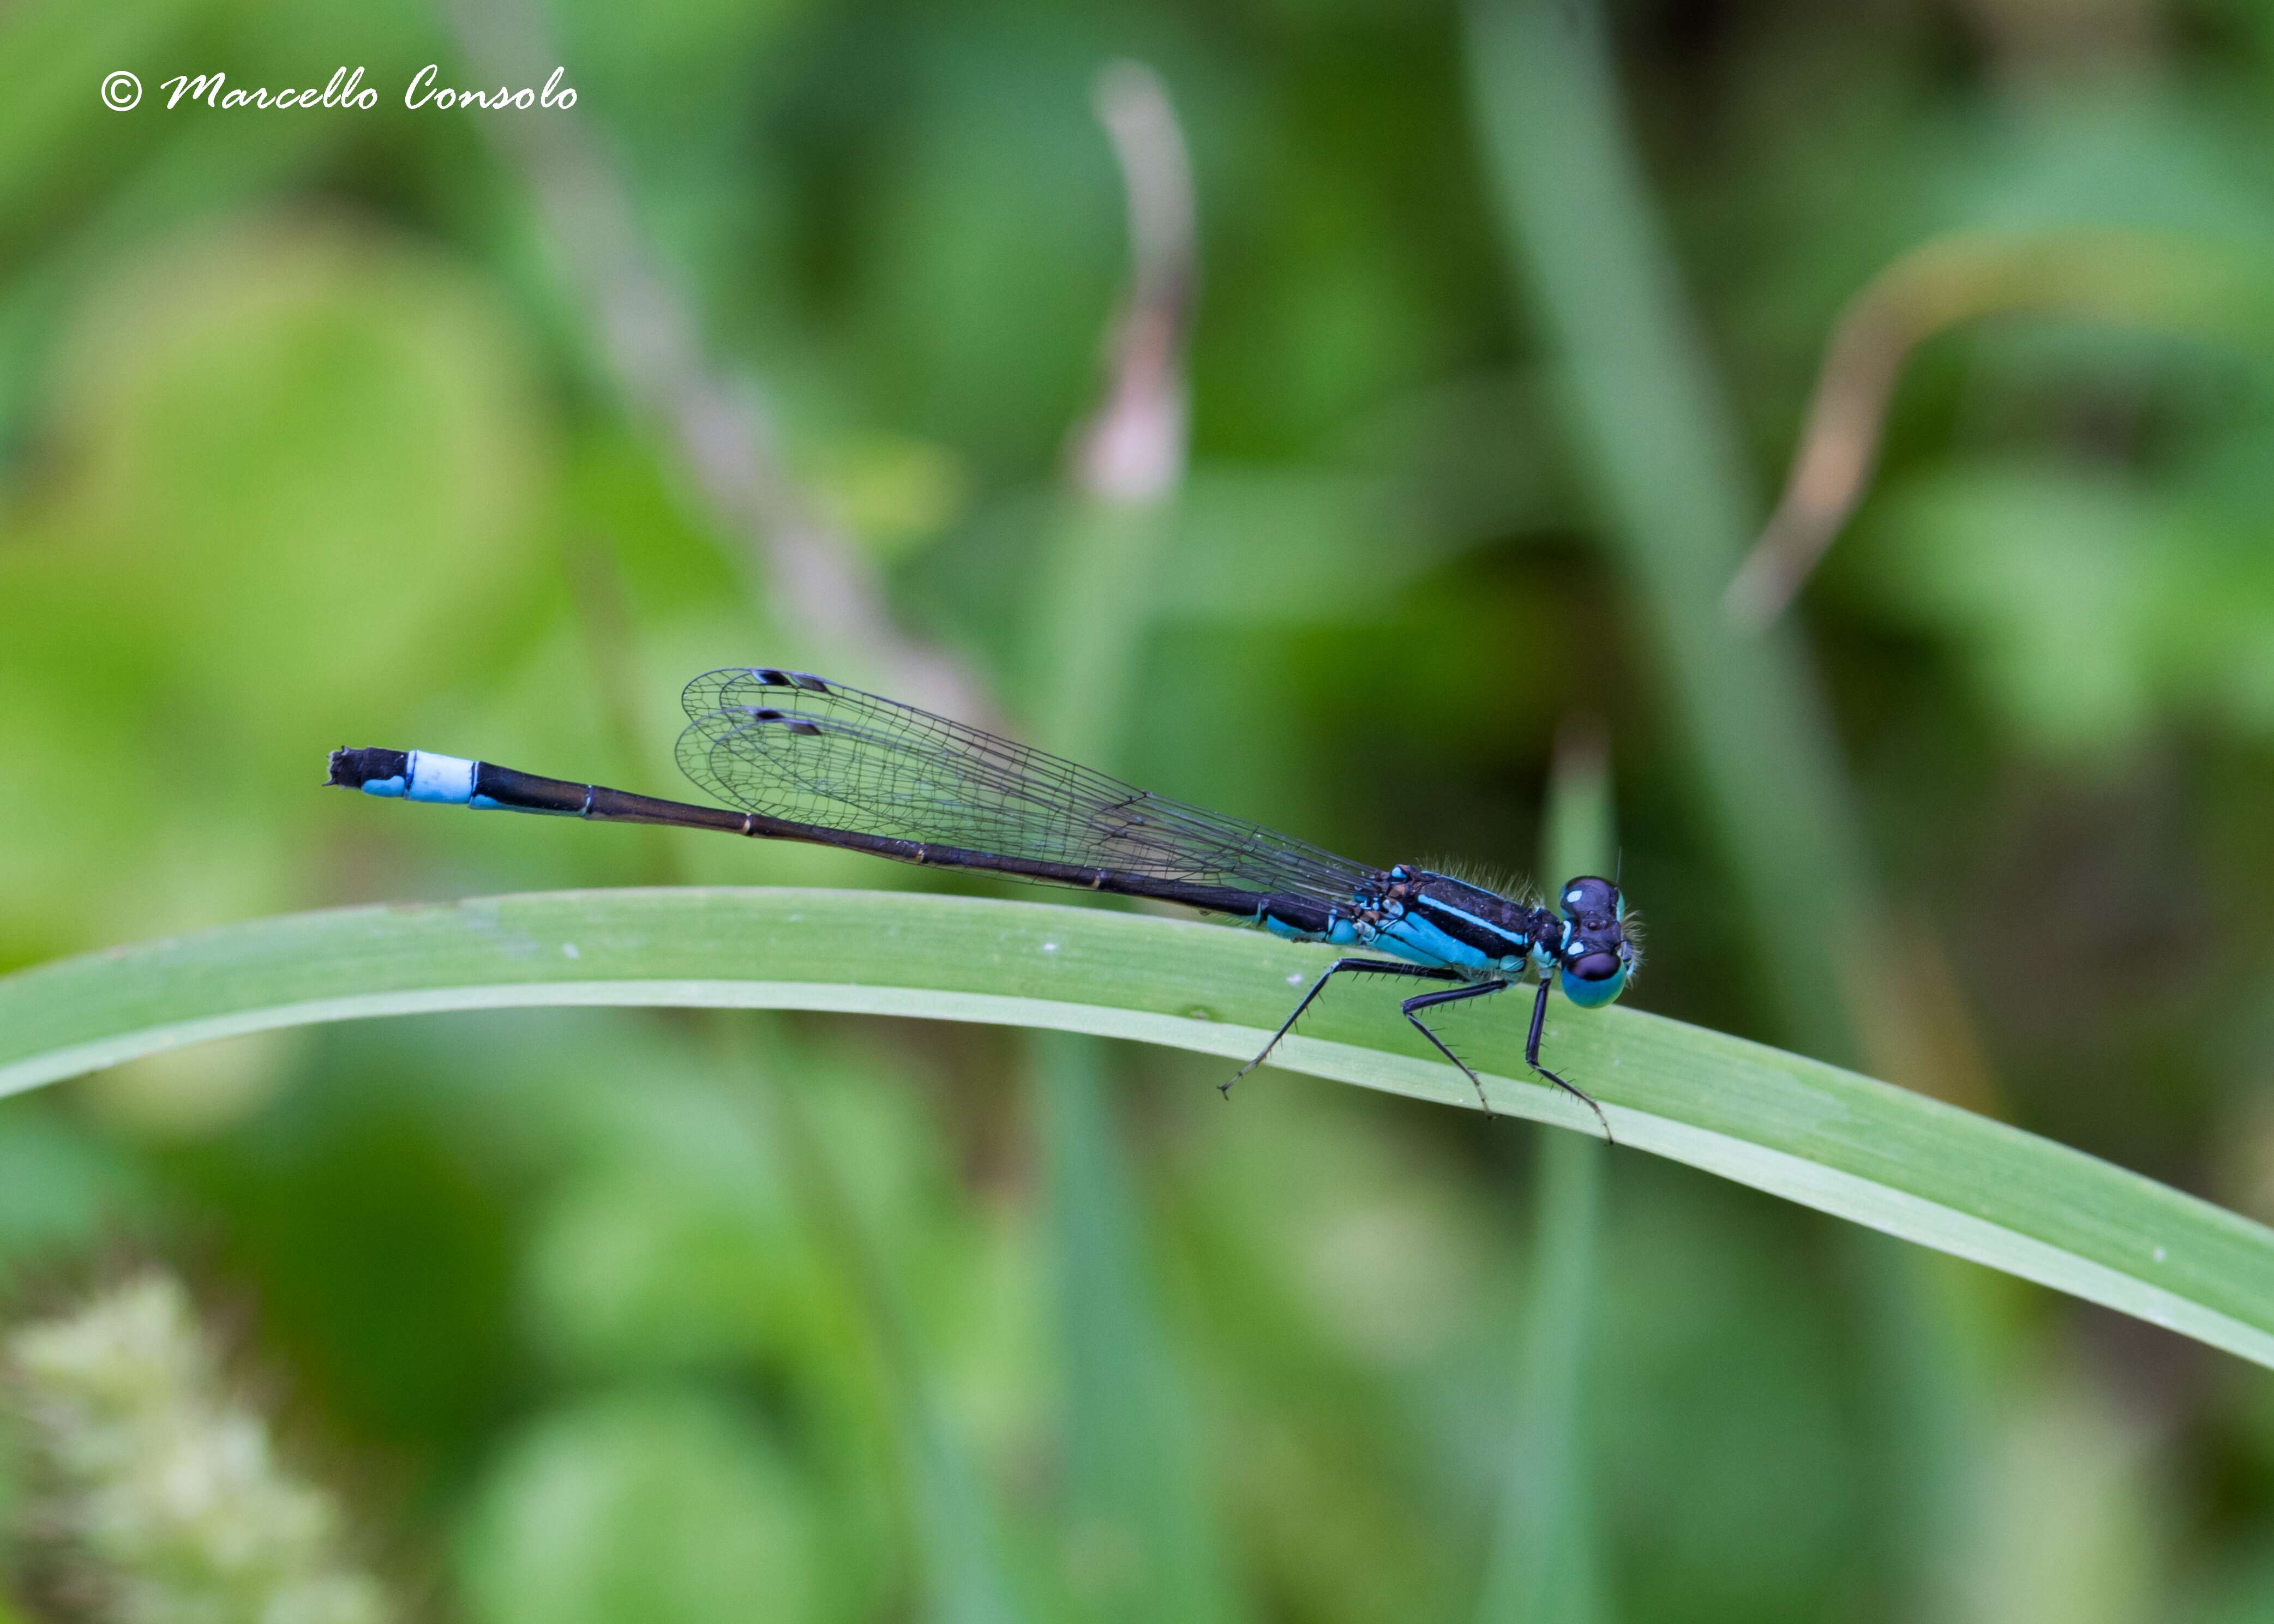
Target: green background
328, 427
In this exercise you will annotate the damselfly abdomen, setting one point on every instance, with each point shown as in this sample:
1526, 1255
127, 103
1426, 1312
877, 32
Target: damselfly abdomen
808, 759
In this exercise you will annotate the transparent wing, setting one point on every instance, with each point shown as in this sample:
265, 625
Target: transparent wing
792, 746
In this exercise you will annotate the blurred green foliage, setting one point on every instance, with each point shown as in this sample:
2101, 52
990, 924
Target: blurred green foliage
309, 437
159, 1498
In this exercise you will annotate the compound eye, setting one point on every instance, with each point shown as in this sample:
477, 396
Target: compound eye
1595, 967
1589, 897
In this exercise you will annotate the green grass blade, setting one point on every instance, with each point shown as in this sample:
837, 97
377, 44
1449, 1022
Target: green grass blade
1653, 437
1657, 441
955, 1514
1813, 1133
1544, 1564
1137, 1496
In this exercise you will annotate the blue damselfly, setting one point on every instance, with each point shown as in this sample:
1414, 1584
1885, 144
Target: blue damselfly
808, 760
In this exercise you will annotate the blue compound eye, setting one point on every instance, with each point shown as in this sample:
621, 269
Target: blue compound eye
1593, 980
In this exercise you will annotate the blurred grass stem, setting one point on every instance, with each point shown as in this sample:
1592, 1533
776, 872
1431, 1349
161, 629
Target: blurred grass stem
717, 419
1546, 1565
2159, 282
1651, 428
958, 1526
1142, 1543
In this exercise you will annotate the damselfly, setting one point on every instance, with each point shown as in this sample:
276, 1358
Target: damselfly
808, 759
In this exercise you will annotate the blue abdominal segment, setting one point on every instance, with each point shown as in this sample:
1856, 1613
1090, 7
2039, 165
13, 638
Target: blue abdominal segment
454, 781
447, 780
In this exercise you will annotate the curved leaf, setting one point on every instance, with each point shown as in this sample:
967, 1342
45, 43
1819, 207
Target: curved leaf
1814, 1134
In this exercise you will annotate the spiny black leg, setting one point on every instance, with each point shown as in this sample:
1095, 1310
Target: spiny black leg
1379, 967
1531, 1059
1422, 1001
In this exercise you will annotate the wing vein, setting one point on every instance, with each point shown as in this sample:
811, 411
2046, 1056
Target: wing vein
791, 746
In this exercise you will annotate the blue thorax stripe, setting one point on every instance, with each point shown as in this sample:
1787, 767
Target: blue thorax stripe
1497, 941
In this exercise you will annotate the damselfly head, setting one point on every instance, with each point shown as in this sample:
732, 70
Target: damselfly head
1594, 956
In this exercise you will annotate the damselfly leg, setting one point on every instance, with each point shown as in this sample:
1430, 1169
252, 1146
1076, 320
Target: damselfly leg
1378, 966
1531, 1059
1427, 1000
1412, 1007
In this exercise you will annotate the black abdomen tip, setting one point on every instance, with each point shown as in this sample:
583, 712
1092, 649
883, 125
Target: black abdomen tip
354, 769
